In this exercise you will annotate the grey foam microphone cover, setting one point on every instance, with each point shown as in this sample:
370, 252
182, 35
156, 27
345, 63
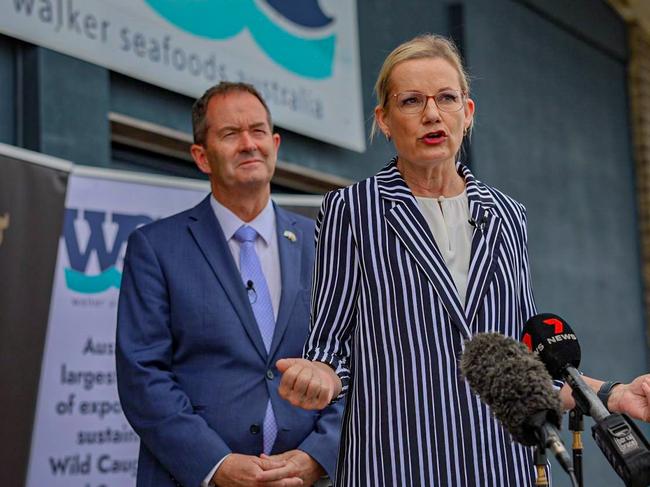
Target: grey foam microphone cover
513, 382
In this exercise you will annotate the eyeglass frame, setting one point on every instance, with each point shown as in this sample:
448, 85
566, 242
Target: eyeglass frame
463, 97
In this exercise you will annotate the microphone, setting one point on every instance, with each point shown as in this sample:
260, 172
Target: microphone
250, 290
553, 340
517, 388
616, 435
480, 224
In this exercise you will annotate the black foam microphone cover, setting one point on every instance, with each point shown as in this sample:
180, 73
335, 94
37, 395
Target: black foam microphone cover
553, 339
513, 382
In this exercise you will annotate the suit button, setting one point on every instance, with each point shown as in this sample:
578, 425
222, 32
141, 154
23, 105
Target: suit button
254, 429
269, 374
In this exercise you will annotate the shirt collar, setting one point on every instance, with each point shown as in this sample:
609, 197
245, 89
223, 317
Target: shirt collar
263, 223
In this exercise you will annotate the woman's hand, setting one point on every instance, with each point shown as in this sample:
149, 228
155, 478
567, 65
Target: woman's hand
307, 384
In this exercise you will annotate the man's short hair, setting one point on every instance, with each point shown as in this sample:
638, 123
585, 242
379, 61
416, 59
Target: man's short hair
200, 107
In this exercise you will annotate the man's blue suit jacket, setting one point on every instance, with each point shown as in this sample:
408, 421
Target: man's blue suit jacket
194, 376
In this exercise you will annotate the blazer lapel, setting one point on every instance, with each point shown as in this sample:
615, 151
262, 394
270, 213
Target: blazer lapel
408, 223
290, 259
207, 233
486, 239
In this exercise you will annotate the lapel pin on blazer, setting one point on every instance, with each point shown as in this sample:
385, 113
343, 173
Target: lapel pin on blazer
288, 234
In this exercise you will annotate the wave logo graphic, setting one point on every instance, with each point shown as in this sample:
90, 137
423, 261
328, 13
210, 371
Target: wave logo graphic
76, 276
309, 55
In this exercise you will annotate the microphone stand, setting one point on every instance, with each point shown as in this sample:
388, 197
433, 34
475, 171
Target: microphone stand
540, 466
576, 425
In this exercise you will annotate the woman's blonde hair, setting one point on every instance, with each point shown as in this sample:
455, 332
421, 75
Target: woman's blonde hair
420, 47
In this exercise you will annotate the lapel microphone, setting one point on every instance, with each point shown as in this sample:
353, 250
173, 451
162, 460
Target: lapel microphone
480, 224
250, 290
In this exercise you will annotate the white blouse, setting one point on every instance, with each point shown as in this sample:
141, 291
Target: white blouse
448, 219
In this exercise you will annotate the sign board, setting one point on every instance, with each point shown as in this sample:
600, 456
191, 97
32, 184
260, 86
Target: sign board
302, 55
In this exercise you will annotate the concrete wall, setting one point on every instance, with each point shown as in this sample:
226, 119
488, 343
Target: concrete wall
553, 131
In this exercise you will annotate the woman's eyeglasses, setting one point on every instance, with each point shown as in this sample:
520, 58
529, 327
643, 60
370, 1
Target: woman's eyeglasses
414, 102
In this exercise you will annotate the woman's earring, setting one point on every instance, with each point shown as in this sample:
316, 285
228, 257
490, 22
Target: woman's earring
387, 134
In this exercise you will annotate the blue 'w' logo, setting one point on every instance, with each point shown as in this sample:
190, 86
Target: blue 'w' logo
308, 56
75, 276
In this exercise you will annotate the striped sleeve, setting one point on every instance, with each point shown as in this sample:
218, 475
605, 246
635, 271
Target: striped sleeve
334, 289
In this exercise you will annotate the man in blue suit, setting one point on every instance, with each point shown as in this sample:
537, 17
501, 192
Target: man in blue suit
210, 299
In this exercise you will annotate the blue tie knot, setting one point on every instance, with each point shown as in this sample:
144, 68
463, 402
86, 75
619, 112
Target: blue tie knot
245, 233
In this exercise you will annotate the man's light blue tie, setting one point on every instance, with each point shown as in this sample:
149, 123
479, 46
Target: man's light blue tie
260, 299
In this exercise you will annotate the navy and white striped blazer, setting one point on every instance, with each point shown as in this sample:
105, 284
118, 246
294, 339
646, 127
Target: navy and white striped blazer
387, 316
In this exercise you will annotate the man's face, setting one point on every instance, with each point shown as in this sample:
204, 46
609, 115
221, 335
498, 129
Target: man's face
240, 150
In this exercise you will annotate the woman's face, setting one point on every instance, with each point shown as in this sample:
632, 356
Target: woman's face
432, 136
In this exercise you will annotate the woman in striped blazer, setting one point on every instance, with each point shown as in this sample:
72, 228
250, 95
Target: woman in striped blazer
411, 263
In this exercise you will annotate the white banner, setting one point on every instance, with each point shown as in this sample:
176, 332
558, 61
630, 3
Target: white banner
302, 55
80, 436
